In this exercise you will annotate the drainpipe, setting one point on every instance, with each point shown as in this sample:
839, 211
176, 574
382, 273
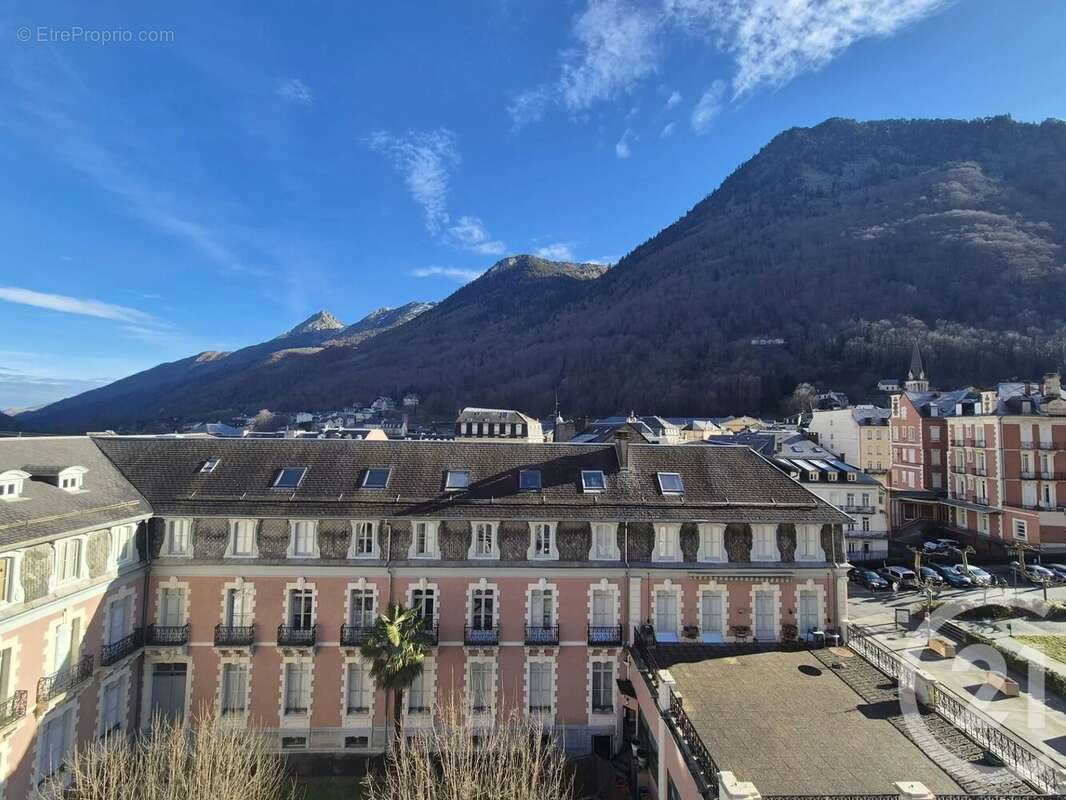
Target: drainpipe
625, 560
144, 621
388, 556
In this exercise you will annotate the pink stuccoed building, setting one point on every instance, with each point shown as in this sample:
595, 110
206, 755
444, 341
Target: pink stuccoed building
242, 576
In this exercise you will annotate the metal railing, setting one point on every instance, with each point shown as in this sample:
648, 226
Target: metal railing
13, 709
355, 635
481, 637
167, 635
51, 686
838, 796
689, 736
858, 509
605, 635
1046, 445
542, 634
234, 635
116, 651
292, 636
1027, 474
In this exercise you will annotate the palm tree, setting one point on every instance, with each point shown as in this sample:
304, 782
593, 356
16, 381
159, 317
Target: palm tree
396, 652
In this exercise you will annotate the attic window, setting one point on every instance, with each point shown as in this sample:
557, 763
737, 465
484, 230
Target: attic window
832, 476
813, 475
290, 477
671, 483
71, 479
852, 476
529, 480
376, 478
210, 464
795, 474
456, 480
592, 480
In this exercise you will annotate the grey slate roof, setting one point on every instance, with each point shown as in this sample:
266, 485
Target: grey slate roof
721, 483
44, 510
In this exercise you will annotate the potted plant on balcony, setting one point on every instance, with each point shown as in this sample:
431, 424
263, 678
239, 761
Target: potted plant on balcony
789, 632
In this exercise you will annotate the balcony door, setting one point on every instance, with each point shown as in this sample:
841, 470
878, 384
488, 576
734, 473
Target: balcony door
238, 608
168, 691
764, 616
118, 620
808, 613
484, 610
300, 609
172, 608
666, 613
66, 646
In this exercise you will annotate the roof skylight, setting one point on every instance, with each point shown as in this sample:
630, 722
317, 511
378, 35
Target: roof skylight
210, 464
376, 478
671, 483
289, 477
593, 480
456, 479
529, 480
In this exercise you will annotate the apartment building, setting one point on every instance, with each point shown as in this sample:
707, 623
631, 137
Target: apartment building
1007, 455
858, 435
497, 423
72, 583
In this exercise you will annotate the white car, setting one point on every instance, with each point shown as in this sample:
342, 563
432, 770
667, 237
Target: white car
940, 545
975, 574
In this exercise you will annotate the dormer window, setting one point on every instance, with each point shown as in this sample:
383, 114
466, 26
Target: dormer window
289, 478
812, 476
71, 479
456, 480
593, 480
176, 542
529, 480
832, 476
376, 478
209, 465
11, 484
852, 476
671, 483
795, 474
484, 542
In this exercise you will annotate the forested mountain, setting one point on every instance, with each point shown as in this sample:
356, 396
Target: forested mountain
819, 260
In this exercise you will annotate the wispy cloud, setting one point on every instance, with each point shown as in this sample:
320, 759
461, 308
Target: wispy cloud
455, 273
75, 305
426, 159
557, 251
468, 233
296, 91
528, 107
618, 44
621, 148
708, 107
667, 131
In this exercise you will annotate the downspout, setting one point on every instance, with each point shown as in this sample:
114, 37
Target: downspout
144, 621
625, 559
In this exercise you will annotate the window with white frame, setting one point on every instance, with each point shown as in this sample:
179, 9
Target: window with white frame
177, 537
543, 540
238, 610
808, 543
119, 618
210, 465
424, 539
234, 689
482, 608
481, 676
666, 612
304, 539
419, 699
455, 480
125, 546
11, 483
361, 608
602, 698
297, 687
712, 612
364, 540
242, 542
604, 541
302, 608
7, 579
603, 611
53, 741
712, 542
765, 546
111, 706
541, 608
71, 479
593, 480
540, 686
667, 544
171, 606
484, 540
360, 686
670, 483
424, 601
68, 560
1021, 530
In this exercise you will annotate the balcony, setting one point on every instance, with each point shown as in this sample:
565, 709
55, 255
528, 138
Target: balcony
981, 471
602, 707
292, 636
167, 635
13, 709
58, 683
428, 635
234, 635
542, 635
1026, 445
354, 635
959, 469
1046, 444
979, 443
957, 443
116, 651
1052, 476
853, 509
477, 636
605, 635
1028, 475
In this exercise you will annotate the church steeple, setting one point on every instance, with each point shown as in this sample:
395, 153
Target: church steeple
916, 380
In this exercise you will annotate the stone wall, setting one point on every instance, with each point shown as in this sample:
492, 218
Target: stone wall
99, 554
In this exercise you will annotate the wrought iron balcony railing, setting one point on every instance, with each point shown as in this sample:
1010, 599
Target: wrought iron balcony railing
858, 509
291, 636
234, 635
605, 635
116, 651
540, 709
602, 707
542, 634
1046, 445
481, 637
51, 686
167, 635
13, 709
354, 635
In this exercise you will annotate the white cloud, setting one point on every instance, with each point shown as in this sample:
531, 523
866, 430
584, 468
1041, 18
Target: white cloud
673, 99
557, 251
295, 90
708, 107
667, 131
462, 275
621, 148
528, 107
76, 305
424, 158
469, 233
616, 49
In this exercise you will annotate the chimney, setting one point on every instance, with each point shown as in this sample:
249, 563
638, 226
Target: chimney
621, 447
1052, 384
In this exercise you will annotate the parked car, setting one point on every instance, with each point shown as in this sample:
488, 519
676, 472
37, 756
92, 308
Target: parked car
867, 578
940, 546
976, 575
931, 576
1034, 573
901, 576
1058, 569
951, 577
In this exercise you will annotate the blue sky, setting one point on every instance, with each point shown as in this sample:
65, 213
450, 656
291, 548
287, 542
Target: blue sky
212, 189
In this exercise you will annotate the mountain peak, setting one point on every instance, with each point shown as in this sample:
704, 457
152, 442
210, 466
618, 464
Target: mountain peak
317, 322
536, 267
